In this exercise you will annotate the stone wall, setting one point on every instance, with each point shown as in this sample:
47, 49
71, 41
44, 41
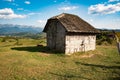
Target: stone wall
77, 43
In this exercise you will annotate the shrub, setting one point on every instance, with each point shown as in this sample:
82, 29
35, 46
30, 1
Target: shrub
105, 37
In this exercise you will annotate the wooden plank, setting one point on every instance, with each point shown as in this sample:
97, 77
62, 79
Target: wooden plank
118, 46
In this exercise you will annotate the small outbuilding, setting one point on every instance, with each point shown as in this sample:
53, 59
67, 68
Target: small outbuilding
69, 33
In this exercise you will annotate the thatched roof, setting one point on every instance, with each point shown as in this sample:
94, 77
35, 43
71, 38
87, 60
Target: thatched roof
72, 23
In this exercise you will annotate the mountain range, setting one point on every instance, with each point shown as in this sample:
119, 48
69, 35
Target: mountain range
11, 29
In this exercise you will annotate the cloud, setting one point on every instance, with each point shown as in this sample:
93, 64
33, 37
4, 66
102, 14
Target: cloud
20, 9
12, 2
104, 9
113, 0
8, 13
27, 2
41, 21
9, 0
15, 4
33, 13
68, 8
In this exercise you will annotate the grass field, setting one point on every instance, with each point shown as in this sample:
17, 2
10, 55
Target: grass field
23, 60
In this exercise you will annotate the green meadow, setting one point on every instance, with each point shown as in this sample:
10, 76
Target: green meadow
22, 59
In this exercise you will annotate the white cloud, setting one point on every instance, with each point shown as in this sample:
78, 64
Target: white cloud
15, 4
113, 0
68, 8
8, 13
20, 9
27, 2
41, 21
104, 9
33, 13
9, 0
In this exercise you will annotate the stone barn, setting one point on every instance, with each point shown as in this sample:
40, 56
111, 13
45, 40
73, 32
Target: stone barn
69, 33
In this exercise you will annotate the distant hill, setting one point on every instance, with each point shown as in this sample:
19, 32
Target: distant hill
6, 29
116, 30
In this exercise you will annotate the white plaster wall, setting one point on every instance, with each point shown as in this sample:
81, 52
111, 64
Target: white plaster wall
77, 43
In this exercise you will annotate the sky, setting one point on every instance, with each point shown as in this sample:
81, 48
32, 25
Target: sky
103, 14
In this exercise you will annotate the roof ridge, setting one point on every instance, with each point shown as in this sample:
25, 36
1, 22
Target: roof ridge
61, 15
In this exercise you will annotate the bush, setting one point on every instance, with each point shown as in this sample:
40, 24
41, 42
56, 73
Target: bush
3, 40
105, 37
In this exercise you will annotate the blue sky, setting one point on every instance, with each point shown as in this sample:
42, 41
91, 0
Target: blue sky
99, 13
